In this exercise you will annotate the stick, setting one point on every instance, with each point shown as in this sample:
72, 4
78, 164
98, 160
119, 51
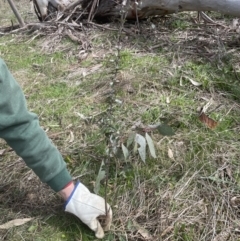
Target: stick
72, 5
17, 14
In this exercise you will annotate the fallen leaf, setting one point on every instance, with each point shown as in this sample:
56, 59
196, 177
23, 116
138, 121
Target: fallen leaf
229, 172
144, 232
82, 116
84, 71
14, 223
118, 101
2, 152
195, 83
235, 23
71, 139
129, 88
170, 153
223, 236
210, 123
235, 201
207, 105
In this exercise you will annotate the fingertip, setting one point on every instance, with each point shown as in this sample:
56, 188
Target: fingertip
99, 232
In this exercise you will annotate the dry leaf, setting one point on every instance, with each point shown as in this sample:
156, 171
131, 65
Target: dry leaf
210, 123
2, 152
71, 138
144, 232
223, 236
207, 105
235, 23
229, 173
82, 116
235, 202
170, 153
195, 83
84, 71
14, 223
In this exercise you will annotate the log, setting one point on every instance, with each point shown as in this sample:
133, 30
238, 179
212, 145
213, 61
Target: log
146, 8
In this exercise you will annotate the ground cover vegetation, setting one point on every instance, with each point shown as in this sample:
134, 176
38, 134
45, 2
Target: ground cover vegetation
114, 84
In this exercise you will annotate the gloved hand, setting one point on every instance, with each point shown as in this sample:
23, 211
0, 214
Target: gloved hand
88, 207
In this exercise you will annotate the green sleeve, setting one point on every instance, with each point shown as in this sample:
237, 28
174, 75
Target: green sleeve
20, 129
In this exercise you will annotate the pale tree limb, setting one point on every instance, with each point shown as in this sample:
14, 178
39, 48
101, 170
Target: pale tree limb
17, 14
146, 8
149, 7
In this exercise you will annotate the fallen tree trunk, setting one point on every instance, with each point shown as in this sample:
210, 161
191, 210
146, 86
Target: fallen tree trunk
231, 7
146, 8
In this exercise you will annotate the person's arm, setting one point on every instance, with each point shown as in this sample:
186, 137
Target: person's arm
21, 130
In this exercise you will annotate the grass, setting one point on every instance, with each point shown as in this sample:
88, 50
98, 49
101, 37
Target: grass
186, 195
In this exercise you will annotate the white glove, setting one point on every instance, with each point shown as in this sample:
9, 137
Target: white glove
88, 207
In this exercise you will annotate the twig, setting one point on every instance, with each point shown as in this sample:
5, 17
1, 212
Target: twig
102, 26
71, 6
207, 19
93, 7
72, 37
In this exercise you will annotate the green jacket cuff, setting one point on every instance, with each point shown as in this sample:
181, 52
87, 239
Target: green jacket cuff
60, 180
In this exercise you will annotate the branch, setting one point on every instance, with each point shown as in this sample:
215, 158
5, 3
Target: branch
72, 5
17, 14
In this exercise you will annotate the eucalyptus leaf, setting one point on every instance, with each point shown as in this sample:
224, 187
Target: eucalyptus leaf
195, 83
165, 130
151, 145
100, 177
142, 149
130, 139
135, 148
15, 222
32, 228
125, 151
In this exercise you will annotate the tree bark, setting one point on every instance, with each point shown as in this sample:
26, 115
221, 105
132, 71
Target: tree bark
231, 7
146, 8
17, 14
